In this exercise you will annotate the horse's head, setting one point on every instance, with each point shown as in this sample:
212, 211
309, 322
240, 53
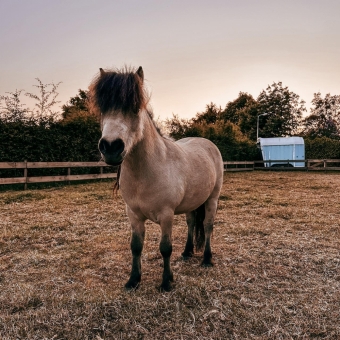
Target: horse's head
120, 98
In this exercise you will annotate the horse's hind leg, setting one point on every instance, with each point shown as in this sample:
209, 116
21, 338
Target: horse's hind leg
189, 246
165, 248
210, 212
137, 241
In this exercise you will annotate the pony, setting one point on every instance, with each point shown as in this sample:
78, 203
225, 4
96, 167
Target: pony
159, 177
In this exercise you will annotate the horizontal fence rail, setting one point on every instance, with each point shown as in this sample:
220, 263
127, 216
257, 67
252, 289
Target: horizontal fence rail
238, 166
308, 165
25, 179
323, 164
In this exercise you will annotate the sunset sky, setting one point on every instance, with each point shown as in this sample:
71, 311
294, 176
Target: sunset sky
192, 52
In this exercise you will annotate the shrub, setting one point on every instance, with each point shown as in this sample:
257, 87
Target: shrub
322, 148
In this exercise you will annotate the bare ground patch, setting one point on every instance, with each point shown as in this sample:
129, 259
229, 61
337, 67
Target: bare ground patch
65, 256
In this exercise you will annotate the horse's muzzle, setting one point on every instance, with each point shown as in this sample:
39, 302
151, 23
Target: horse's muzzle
112, 151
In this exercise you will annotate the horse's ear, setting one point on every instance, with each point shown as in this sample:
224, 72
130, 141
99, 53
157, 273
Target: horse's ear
140, 73
102, 72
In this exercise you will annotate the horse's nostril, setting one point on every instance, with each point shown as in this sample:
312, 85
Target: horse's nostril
117, 146
103, 146
114, 148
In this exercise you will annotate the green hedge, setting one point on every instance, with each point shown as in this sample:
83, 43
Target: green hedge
62, 141
322, 148
76, 140
238, 151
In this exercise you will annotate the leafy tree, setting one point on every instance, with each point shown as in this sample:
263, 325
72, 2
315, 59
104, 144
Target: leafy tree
284, 111
210, 116
77, 108
76, 104
225, 134
232, 110
243, 112
248, 120
178, 128
12, 110
324, 120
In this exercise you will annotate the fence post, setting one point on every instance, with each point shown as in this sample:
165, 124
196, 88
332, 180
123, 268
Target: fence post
68, 175
25, 175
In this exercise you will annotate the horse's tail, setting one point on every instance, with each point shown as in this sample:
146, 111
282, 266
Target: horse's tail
199, 227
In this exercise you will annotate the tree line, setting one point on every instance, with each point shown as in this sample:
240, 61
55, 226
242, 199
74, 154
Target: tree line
276, 112
44, 134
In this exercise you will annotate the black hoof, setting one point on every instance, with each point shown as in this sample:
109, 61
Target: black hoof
165, 287
186, 255
132, 284
207, 264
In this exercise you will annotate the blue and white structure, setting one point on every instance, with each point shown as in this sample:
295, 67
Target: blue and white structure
282, 148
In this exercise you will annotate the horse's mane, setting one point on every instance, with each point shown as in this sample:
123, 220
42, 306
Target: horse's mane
119, 89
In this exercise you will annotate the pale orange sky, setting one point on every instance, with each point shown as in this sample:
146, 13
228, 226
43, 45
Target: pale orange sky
192, 52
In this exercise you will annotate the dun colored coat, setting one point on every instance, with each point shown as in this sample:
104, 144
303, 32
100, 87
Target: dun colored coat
159, 177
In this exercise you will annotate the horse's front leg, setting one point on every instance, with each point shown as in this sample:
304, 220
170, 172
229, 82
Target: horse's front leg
137, 241
165, 248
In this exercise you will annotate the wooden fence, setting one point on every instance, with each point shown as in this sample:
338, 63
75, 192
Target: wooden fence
238, 166
308, 165
25, 179
323, 164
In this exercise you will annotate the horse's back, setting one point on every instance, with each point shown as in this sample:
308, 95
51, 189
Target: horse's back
202, 150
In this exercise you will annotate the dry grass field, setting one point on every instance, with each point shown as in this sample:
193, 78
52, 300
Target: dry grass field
65, 256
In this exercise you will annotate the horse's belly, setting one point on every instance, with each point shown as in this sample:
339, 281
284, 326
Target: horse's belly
195, 197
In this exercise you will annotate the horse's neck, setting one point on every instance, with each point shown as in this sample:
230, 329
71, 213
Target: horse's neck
148, 151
